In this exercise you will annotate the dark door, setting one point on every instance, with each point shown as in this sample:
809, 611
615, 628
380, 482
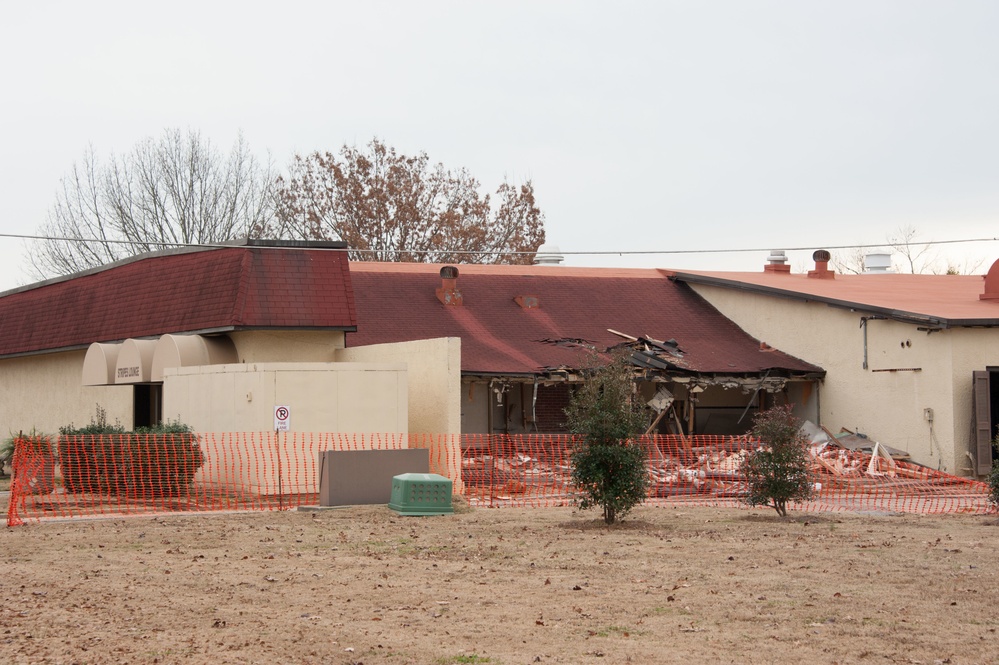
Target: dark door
147, 405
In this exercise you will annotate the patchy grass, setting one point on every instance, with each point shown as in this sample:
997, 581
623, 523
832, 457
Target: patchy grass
472, 659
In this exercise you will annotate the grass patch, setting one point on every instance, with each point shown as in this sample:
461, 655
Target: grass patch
623, 631
660, 610
464, 658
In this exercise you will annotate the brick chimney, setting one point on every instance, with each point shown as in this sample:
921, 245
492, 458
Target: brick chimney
448, 292
822, 271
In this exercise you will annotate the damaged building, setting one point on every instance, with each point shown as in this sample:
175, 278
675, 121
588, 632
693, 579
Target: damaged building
912, 360
526, 332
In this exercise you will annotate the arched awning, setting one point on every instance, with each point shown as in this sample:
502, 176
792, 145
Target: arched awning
100, 363
191, 351
135, 361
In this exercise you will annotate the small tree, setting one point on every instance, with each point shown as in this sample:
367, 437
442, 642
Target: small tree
777, 472
608, 465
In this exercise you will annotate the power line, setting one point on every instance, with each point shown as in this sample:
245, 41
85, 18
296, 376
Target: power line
642, 252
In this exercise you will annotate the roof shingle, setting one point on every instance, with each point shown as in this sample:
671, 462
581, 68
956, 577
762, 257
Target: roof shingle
187, 291
397, 302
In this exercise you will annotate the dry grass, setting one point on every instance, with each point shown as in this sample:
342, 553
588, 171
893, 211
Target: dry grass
363, 585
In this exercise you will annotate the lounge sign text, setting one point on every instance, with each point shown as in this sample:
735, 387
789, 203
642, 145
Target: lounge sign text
128, 372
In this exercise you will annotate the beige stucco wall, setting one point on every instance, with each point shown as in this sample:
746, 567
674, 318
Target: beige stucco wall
45, 392
434, 394
973, 349
366, 400
888, 406
434, 379
322, 397
255, 346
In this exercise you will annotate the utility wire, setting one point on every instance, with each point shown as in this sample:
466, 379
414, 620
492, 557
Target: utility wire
642, 252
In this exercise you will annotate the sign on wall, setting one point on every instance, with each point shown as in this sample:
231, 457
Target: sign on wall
282, 418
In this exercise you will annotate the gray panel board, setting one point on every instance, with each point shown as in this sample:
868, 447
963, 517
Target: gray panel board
358, 477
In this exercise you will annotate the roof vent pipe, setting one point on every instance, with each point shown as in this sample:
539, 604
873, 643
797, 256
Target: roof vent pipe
877, 262
448, 292
777, 262
548, 255
822, 271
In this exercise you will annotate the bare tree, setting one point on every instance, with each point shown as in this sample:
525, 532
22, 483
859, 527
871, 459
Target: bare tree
915, 257
850, 261
174, 190
909, 256
400, 208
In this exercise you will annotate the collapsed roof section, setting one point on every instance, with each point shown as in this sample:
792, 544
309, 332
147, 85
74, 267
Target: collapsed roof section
540, 323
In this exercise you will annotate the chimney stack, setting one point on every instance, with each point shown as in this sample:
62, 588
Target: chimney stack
822, 271
448, 292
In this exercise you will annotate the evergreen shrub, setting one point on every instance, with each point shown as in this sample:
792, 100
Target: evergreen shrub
609, 466
778, 471
103, 458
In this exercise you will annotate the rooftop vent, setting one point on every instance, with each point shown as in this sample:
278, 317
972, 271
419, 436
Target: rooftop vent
548, 255
777, 262
991, 284
448, 292
822, 271
877, 262
528, 302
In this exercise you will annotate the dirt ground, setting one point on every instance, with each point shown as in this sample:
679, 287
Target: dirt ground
502, 586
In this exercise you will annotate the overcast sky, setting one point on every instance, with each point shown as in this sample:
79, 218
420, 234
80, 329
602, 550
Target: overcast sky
653, 126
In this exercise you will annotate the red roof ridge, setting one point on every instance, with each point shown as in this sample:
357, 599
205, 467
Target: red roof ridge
504, 269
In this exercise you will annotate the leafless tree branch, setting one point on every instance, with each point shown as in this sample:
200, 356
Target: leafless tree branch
178, 189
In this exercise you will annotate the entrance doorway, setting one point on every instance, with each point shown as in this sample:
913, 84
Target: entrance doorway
147, 405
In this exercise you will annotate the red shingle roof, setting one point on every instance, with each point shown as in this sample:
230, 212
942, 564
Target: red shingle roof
193, 291
397, 302
944, 300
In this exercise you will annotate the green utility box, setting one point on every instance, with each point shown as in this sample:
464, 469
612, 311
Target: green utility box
421, 494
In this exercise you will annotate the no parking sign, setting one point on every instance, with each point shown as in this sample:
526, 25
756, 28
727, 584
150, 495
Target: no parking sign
282, 418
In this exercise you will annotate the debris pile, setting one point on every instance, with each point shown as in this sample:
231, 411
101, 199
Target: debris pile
536, 469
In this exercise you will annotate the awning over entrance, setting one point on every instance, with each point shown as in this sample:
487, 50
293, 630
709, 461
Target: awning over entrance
100, 363
190, 351
135, 361
144, 360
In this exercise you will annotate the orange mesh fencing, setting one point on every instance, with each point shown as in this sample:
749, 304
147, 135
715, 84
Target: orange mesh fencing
119, 475
705, 470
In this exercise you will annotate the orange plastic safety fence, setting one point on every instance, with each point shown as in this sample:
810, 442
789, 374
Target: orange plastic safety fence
133, 474
535, 470
128, 474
